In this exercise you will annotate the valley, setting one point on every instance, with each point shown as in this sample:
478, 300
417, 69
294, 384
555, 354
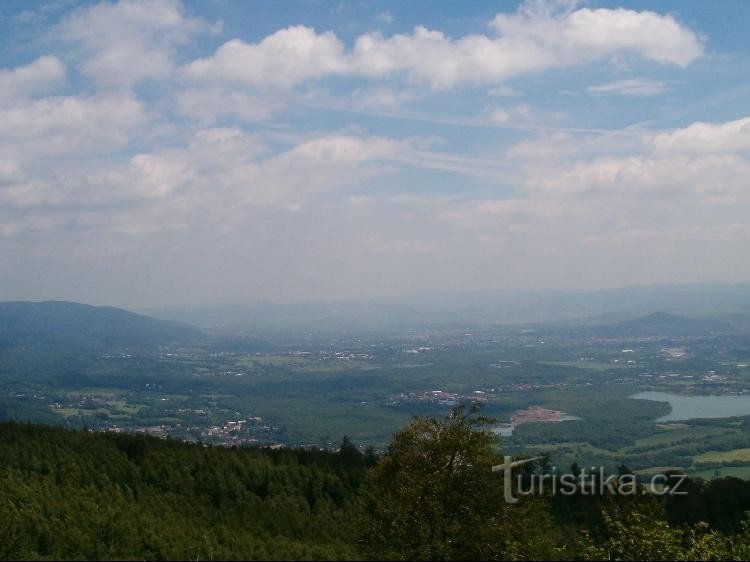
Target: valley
310, 391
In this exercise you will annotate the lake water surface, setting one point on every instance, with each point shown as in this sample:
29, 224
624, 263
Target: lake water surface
691, 407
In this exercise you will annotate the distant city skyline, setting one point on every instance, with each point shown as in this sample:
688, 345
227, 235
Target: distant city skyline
165, 152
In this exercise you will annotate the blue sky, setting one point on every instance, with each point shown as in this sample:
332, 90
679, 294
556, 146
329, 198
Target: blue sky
167, 152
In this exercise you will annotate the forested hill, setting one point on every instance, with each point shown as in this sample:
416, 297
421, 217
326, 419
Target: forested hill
81, 495
69, 323
431, 496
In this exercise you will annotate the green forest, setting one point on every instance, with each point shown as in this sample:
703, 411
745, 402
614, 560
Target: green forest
431, 494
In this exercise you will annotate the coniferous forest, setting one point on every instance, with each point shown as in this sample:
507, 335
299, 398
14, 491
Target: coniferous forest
430, 495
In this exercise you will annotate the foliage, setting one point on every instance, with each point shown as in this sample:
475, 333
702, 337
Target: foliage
432, 495
78, 495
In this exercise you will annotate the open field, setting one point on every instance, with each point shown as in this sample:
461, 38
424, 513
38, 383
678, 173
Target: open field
724, 456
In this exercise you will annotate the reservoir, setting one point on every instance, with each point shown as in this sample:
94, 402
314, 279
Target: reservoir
691, 407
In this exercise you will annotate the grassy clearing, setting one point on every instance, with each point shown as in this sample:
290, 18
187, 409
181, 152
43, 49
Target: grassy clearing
675, 435
724, 456
671, 426
657, 470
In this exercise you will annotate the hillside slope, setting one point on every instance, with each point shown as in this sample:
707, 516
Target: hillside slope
664, 324
56, 322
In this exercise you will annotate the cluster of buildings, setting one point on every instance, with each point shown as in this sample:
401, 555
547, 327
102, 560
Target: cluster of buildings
439, 397
445, 398
534, 414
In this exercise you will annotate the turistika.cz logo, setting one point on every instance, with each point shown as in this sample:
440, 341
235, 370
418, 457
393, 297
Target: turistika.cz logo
588, 482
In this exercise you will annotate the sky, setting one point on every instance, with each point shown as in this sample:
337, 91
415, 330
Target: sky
167, 153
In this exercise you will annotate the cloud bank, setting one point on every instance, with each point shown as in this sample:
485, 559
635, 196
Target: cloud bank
131, 146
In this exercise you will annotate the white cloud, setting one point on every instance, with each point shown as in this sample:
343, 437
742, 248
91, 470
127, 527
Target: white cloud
282, 59
127, 41
54, 148
634, 87
701, 162
533, 39
220, 175
732, 136
647, 178
325, 163
67, 124
227, 171
32, 79
500, 116
57, 149
212, 160
199, 167
642, 210
574, 36
210, 104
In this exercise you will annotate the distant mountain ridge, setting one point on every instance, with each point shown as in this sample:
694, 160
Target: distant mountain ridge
61, 322
725, 301
663, 323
